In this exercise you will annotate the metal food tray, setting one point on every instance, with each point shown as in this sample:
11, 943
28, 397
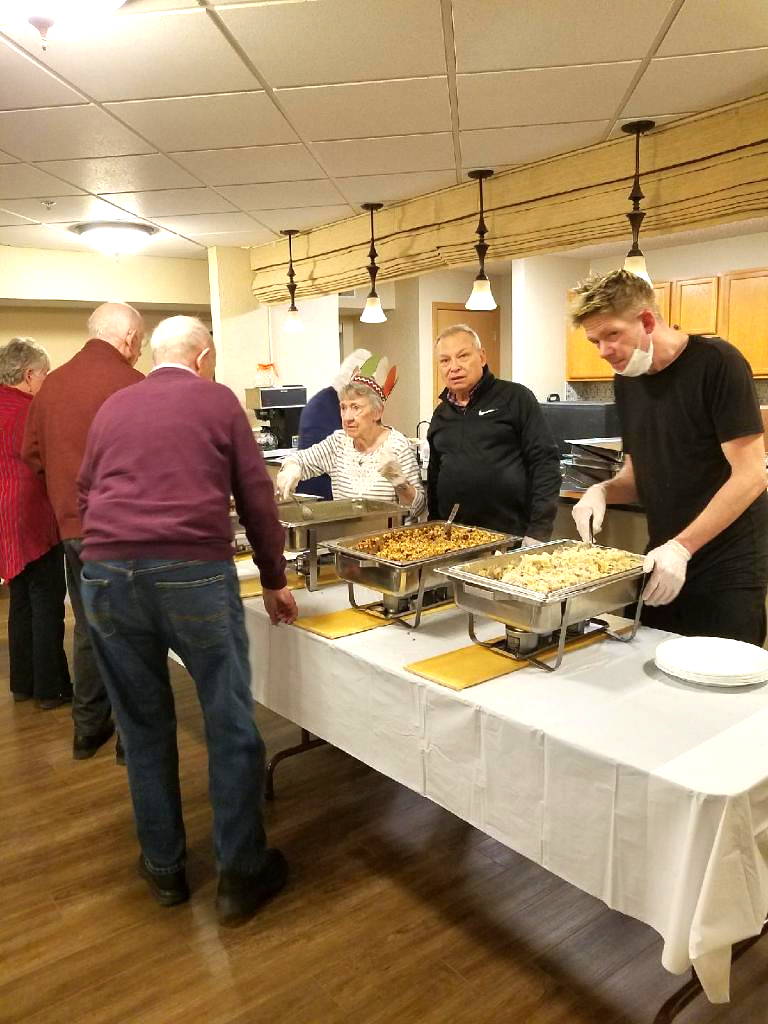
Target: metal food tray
402, 580
534, 611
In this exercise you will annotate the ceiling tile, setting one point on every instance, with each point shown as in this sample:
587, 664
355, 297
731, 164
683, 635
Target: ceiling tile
170, 202
251, 164
65, 209
212, 122
659, 119
278, 195
390, 187
17, 181
552, 95
61, 133
255, 236
42, 236
407, 107
26, 85
499, 35
505, 146
207, 223
698, 83
6, 158
302, 218
704, 26
165, 244
124, 174
341, 40
8, 219
172, 54
387, 156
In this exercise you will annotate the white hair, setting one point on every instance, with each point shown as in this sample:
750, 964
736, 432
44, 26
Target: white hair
112, 321
360, 390
18, 356
179, 339
353, 362
460, 329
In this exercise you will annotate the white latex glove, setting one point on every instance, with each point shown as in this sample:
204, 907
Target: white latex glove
669, 563
529, 542
391, 469
591, 506
287, 479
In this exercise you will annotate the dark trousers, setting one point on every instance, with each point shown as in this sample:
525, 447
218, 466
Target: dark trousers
735, 614
137, 610
36, 629
91, 710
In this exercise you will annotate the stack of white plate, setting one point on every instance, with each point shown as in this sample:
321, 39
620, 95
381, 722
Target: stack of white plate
713, 661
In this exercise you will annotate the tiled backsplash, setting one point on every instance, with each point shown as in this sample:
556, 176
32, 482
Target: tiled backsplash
602, 391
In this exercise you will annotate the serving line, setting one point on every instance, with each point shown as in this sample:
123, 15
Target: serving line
647, 794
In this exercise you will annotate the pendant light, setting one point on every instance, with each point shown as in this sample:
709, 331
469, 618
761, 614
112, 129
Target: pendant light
292, 323
635, 260
481, 297
373, 313
115, 237
75, 14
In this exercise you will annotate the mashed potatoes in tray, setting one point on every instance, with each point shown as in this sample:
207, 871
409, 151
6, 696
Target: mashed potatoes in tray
548, 570
413, 545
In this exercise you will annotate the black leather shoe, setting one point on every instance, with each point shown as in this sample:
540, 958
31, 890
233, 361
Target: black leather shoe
119, 751
51, 703
168, 889
240, 896
86, 746
19, 697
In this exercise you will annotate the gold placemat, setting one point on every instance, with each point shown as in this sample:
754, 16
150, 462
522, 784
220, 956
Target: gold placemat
471, 665
335, 625
251, 586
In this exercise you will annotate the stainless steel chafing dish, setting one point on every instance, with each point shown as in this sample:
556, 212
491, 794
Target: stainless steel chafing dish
329, 520
404, 585
240, 541
530, 615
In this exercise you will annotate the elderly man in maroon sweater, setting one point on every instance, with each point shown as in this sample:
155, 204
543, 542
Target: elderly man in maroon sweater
54, 442
161, 461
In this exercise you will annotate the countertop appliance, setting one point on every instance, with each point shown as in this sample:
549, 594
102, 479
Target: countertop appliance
279, 408
580, 419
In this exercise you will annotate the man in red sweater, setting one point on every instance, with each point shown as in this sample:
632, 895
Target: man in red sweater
161, 461
54, 442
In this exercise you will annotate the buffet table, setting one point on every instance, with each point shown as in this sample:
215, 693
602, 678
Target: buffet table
651, 795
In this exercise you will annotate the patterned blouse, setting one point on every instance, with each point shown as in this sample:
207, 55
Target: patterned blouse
355, 474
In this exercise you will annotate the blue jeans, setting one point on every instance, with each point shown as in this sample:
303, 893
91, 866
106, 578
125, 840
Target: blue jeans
137, 610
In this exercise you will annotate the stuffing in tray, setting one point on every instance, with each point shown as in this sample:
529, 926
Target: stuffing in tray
430, 541
555, 569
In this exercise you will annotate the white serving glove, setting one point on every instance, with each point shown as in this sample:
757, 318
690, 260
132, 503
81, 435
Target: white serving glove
287, 479
529, 542
391, 469
591, 506
669, 563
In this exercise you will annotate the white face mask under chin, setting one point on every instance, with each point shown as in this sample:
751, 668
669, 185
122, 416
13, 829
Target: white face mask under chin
639, 362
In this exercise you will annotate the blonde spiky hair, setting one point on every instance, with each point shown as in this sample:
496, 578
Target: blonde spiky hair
616, 293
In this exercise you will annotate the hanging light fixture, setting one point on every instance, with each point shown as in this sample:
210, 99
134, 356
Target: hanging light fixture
292, 323
44, 14
481, 297
115, 237
635, 260
372, 313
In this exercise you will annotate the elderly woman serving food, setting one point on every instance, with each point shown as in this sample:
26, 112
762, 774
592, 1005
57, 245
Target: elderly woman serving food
365, 459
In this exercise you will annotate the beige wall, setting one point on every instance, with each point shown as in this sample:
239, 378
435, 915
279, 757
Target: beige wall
701, 259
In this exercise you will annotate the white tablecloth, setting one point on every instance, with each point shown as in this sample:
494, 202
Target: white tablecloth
651, 795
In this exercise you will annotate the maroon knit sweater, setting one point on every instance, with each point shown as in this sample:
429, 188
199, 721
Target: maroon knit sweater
59, 418
161, 461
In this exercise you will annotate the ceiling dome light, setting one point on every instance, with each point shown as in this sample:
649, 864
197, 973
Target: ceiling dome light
115, 237
44, 14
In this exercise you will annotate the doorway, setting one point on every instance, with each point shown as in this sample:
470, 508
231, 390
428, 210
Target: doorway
487, 324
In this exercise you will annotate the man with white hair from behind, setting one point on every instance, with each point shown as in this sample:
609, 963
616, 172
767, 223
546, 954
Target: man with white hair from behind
161, 461
54, 441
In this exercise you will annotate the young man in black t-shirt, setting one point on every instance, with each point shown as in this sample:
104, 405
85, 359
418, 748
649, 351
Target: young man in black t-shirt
694, 458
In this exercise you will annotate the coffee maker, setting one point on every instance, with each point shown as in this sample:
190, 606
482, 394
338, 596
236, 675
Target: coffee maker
279, 408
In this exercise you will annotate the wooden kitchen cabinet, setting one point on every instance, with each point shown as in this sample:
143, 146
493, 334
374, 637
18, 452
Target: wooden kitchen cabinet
694, 305
744, 315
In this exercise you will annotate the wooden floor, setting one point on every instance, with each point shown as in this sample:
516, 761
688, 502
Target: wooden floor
397, 911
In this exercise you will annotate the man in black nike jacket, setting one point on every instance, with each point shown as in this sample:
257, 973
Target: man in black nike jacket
490, 448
